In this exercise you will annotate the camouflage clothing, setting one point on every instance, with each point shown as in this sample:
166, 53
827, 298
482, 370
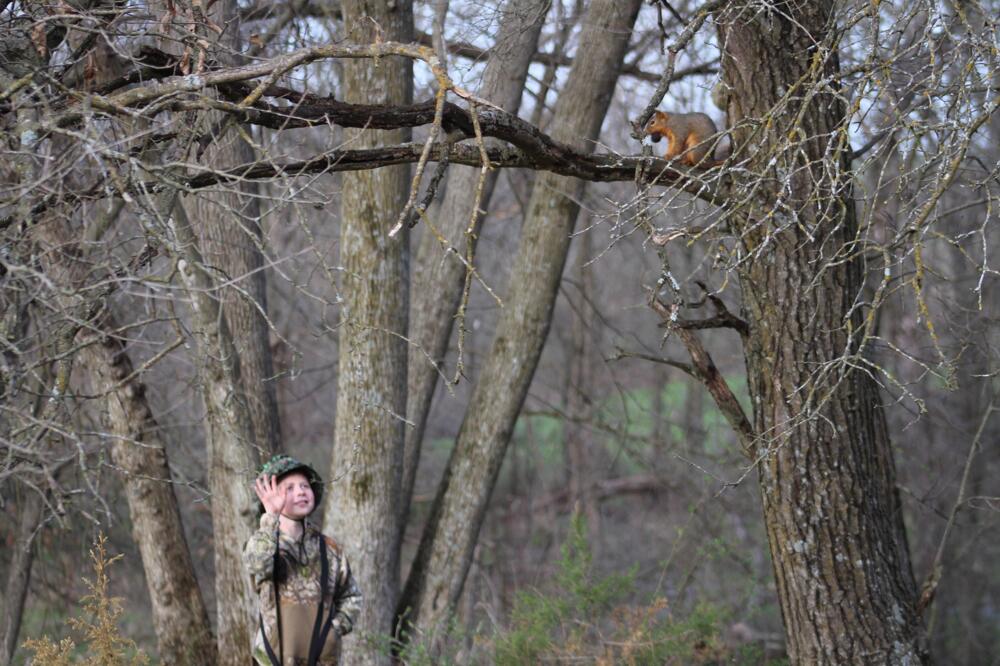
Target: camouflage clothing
298, 575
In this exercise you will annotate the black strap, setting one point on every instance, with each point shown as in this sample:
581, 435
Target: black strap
327, 625
277, 616
318, 634
333, 608
267, 646
320, 629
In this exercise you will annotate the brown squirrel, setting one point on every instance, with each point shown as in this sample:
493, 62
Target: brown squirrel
690, 136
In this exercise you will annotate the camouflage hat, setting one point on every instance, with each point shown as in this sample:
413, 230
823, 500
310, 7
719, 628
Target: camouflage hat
282, 465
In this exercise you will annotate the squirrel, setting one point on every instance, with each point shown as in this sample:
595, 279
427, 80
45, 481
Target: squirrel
690, 136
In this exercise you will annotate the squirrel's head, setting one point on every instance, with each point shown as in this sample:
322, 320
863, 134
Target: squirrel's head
657, 126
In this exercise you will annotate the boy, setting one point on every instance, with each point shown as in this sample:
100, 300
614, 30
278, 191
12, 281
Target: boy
308, 599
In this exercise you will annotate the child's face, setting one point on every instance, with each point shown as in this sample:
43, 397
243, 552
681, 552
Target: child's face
300, 501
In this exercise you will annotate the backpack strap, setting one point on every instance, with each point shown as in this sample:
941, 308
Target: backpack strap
319, 632
267, 646
328, 542
275, 661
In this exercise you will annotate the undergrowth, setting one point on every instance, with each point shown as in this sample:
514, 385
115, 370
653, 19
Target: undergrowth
579, 617
585, 618
103, 643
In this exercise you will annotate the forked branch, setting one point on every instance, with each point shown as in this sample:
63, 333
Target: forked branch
705, 370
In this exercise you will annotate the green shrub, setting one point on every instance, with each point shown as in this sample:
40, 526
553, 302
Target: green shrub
579, 617
583, 618
441, 647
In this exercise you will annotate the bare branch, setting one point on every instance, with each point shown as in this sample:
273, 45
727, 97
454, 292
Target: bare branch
597, 168
706, 371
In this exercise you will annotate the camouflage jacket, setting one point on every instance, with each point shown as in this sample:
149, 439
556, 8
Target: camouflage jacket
298, 576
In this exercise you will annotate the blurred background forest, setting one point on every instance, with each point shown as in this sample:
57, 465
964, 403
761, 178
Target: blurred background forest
609, 432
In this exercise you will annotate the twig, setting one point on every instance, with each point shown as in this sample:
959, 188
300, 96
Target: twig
422, 163
444, 84
670, 8
470, 243
930, 585
623, 353
432, 187
638, 127
148, 364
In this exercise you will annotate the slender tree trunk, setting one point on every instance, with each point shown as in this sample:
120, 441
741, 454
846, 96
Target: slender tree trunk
827, 477
438, 276
438, 574
579, 407
180, 619
363, 509
559, 43
22, 556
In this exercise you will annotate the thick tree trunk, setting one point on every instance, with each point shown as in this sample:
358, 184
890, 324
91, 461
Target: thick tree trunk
438, 276
233, 459
228, 224
833, 517
363, 509
236, 370
180, 619
438, 574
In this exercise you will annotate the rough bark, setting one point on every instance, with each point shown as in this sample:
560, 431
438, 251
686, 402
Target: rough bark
19, 572
180, 618
137, 451
438, 275
233, 461
228, 224
438, 574
826, 474
363, 506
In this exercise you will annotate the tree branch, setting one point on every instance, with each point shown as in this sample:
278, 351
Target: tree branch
683, 367
705, 370
723, 318
595, 168
567, 162
264, 10
243, 100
